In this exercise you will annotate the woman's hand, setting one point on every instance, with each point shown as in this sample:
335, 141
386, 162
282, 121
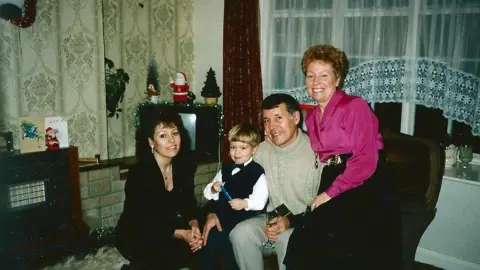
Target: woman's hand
268, 137
275, 227
320, 199
196, 236
192, 237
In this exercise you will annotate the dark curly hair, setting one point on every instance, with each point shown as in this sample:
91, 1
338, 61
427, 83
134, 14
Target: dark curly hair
329, 54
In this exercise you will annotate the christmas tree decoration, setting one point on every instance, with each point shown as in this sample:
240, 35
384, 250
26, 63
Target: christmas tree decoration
211, 91
180, 87
153, 86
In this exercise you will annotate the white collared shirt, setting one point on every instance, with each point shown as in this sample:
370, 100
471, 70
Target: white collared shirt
255, 201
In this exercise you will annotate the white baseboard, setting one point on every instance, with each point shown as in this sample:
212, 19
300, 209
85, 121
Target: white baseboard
444, 261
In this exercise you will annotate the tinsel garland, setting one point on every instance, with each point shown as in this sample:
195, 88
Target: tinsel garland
29, 17
181, 104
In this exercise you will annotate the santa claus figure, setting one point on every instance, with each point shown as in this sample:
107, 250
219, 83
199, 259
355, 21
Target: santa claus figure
180, 88
51, 140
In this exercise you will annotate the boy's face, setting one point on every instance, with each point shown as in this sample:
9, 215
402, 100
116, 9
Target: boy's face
241, 152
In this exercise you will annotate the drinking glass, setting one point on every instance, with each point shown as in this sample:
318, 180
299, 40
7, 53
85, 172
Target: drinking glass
465, 155
269, 217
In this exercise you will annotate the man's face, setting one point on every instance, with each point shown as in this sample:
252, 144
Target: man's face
280, 126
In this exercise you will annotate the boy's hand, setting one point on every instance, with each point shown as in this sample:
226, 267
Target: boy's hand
216, 186
238, 204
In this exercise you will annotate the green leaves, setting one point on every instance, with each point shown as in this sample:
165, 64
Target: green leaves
115, 86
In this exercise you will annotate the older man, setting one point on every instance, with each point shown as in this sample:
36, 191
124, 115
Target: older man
293, 176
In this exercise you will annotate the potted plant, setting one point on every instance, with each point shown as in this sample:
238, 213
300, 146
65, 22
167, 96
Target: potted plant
115, 86
211, 91
153, 87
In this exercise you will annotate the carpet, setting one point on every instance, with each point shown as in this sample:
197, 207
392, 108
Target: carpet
106, 258
98, 253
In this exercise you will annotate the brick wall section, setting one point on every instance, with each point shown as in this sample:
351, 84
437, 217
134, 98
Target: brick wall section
102, 197
102, 193
205, 174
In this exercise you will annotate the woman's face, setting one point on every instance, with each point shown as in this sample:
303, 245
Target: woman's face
166, 141
321, 82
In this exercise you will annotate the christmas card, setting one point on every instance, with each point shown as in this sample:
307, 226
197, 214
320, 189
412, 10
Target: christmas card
56, 131
31, 134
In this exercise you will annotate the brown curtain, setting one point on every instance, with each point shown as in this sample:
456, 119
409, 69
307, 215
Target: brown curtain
242, 80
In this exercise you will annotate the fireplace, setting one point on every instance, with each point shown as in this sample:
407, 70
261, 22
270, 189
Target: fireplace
40, 210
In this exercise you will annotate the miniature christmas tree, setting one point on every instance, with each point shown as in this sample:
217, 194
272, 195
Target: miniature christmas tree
153, 87
211, 89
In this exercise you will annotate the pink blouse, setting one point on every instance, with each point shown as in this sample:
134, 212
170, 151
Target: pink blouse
348, 125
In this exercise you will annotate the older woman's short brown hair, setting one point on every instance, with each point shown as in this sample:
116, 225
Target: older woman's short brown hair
329, 54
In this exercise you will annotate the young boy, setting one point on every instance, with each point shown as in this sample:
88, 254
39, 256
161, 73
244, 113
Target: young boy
244, 181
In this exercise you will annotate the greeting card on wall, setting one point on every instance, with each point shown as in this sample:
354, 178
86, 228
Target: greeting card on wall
56, 132
32, 134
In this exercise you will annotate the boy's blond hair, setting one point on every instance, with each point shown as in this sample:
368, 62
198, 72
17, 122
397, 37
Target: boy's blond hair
245, 133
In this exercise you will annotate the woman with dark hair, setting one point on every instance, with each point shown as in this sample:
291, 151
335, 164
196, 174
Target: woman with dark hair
354, 219
158, 228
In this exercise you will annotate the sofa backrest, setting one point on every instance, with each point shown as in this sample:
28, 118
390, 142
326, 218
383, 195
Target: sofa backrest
416, 166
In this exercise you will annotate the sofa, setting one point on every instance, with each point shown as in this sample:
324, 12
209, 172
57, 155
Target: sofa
416, 166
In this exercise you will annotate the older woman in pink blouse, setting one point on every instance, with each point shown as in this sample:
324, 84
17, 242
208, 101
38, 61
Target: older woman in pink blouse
349, 219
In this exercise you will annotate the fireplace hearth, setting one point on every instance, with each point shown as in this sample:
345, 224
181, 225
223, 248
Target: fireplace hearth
40, 212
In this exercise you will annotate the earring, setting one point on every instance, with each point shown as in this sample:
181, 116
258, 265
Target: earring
152, 149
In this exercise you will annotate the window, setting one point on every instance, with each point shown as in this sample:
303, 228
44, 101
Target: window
416, 62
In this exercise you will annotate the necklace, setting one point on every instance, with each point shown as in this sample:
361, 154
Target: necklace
167, 170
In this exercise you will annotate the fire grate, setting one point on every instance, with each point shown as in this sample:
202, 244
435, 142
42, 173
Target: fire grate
26, 194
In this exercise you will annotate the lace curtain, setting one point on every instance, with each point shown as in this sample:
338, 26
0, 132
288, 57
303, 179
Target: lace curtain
424, 52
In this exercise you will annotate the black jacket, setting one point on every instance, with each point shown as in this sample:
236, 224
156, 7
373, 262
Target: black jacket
151, 213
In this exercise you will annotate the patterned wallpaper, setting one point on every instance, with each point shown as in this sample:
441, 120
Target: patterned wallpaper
56, 66
162, 28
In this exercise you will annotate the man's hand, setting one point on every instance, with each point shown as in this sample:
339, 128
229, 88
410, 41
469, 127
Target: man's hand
212, 221
275, 227
238, 204
320, 199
